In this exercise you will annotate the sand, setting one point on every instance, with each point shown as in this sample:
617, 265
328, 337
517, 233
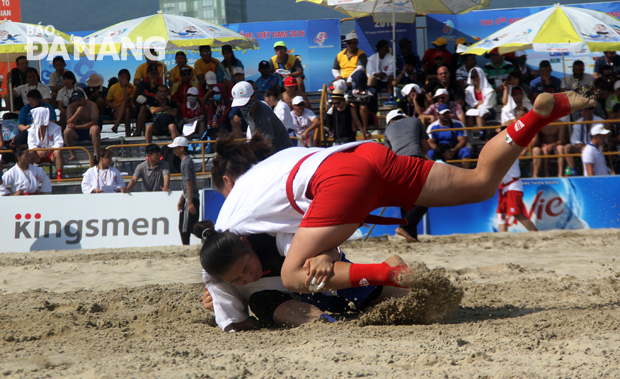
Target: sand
542, 305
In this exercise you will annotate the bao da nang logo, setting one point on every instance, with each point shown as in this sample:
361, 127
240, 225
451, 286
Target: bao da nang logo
44, 43
320, 38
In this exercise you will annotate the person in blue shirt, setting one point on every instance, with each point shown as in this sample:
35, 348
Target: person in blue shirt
457, 139
545, 82
267, 79
34, 100
610, 58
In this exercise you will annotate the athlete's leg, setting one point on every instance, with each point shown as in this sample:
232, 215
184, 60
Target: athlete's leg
526, 222
447, 185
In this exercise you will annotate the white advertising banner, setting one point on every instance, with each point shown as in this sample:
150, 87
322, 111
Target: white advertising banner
61, 222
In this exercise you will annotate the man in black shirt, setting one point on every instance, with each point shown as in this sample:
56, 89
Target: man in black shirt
164, 113
340, 119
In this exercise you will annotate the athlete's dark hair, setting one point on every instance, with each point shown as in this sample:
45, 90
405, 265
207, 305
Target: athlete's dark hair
21, 150
235, 157
220, 250
271, 92
103, 153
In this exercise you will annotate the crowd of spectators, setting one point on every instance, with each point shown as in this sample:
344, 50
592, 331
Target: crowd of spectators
443, 89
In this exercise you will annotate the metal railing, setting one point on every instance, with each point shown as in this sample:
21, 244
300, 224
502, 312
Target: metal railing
90, 158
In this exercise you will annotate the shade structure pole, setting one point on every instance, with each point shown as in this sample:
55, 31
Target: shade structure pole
393, 44
10, 84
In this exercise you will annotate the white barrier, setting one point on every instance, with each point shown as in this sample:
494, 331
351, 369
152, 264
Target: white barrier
60, 222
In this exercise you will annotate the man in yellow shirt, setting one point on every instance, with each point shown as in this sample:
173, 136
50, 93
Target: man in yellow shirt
349, 60
284, 65
141, 70
205, 64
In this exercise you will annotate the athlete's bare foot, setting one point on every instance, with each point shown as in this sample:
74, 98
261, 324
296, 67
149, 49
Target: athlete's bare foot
545, 102
402, 232
72, 157
403, 273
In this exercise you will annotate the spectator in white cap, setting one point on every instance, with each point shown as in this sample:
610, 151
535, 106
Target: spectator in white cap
349, 60
406, 136
260, 117
456, 138
442, 96
189, 203
409, 103
228, 67
291, 90
527, 74
45, 134
592, 155
192, 111
238, 75
304, 120
206, 91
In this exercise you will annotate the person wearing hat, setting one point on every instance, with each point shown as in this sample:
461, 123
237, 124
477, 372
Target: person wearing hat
96, 92
120, 99
82, 122
438, 49
525, 71
266, 79
407, 136
497, 70
180, 88
147, 92
189, 203
291, 91
340, 118
409, 103
444, 80
218, 111
193, 110
260, 117
229, 67
45, 134
349, 60
305, 121
579, 138
238, 75
64, 95
380, 68
151, 59
56, 82
592, 155
456, 138
286, 65
164, 113
175, 74
205, 64
442, 96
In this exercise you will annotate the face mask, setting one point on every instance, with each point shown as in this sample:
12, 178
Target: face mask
217, 97
192, 99
248, 106
521, 60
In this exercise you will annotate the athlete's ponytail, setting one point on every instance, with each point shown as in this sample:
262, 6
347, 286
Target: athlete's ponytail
220, 250
235, 157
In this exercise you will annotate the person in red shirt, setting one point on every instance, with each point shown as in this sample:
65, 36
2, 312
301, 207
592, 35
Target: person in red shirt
219, 109
192, 110
439, 49
179, 89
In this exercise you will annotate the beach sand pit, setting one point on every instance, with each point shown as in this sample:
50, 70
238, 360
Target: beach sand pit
534, 305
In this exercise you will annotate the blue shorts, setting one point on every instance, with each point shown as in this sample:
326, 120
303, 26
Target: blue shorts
360, 297
83, 134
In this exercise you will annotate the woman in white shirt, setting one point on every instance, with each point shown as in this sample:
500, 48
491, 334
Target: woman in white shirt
32, 78
103, 178
304, 120
64, 94
24, 178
